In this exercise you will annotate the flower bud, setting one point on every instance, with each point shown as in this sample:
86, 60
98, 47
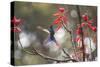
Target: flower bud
85, 17
61, 10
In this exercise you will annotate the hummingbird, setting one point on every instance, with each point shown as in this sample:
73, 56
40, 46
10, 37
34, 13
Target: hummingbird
50, 43
53, 44
51, 36
51, 33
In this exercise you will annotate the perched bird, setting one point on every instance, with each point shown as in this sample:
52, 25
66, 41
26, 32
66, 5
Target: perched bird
51, 37
53, 48
50, 43
50, 46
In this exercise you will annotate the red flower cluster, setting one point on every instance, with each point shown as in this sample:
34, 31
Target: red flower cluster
93, 28
79, 29
86, 23
85, 17
61, 10
89, 22
78, 38
83, 24
60, 18
16, 22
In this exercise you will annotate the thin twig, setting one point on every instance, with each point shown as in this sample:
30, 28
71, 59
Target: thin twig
53, 59
66, 53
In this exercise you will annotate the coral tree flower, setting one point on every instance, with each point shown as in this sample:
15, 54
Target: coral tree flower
61, 10
79, 30
16, 22
85, 17
78, 38
83, 24
88, 23
94, 29
60, 18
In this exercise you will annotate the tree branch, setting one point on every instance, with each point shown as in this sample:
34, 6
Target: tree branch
66, 53
53, 59
44, 56
83, 47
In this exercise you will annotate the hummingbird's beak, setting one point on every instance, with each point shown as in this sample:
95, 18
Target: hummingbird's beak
43, 29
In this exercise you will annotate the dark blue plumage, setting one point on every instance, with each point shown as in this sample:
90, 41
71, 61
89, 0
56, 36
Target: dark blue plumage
51, 36
52, 32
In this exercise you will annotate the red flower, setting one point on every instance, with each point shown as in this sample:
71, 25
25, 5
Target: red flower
77, 39
78, 31
57, 14
90, 21
90, 26
83, 24
59, 26
94, 29
61, 10
16, 21
85, 17
58, 20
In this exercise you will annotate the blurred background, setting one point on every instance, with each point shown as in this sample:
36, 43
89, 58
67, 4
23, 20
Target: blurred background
41, 14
